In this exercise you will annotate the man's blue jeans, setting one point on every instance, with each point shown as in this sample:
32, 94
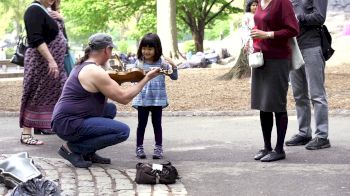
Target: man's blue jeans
98, 132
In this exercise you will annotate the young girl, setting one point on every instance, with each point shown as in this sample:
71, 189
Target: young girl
153, 97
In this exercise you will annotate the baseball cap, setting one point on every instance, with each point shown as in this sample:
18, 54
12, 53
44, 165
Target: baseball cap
100, 41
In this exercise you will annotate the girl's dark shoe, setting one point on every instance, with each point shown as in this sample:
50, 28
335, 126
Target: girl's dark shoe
75, 159
158, 152
273, 156
43, 131
95, 158
261, 154
140, 153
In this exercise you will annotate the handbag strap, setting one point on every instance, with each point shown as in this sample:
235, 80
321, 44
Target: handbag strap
39, 5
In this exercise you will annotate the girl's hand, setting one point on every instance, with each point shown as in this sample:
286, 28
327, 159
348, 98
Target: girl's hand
56, 15
169, 61
259, 34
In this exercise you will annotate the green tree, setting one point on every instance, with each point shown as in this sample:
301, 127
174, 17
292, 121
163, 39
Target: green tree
198, 14
89, 16
16, 8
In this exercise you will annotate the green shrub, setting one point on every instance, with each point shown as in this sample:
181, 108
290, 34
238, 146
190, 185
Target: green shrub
9, 52
189, 46
123, 46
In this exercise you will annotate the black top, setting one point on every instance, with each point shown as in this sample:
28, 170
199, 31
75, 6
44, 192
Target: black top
39, 25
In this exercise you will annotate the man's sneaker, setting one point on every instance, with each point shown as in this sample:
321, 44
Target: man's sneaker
318, 143
158, 152
140, 153
298, 140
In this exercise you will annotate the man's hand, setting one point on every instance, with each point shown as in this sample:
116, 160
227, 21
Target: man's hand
153, 73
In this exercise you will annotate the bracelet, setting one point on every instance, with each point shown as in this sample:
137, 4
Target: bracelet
269, 35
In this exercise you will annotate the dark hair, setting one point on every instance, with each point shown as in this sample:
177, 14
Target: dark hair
86, 56
249, 3
151, 40
55, 5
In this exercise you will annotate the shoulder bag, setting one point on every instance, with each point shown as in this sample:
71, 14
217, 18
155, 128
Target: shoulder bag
18, 57
297, 59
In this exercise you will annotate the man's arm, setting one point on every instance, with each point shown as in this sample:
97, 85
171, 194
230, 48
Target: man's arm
111, 89
317, 16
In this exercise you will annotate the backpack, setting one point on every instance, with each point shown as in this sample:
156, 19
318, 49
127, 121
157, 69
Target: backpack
147, 174
326, 42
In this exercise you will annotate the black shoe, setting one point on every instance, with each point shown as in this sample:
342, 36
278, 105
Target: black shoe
273, 156
261, 154
95, 158
43, 131
298, 140
75, 159
318, 143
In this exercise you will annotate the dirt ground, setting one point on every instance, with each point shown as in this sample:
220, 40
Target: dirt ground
199, 90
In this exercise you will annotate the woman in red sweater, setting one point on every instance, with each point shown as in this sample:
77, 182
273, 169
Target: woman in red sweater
275, 24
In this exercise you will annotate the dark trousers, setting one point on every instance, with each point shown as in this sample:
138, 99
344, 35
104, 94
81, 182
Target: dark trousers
266, 120
143, 113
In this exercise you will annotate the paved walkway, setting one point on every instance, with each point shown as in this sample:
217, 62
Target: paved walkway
97, 180
214, 156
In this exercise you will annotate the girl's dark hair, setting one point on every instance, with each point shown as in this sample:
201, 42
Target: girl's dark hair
249, 3
151, 40
85, 57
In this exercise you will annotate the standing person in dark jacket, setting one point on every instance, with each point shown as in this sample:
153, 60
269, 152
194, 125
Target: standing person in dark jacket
308, 81
275, 25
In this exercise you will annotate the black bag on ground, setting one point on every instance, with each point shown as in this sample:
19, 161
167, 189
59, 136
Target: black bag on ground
18, 57
326, 42
37, 187
145, 174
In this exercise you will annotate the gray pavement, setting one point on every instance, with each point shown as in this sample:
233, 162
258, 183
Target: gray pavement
213, 155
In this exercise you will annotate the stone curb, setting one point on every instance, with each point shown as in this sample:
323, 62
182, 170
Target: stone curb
342, 113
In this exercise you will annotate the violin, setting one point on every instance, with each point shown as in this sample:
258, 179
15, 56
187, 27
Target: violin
135, 74
130, 75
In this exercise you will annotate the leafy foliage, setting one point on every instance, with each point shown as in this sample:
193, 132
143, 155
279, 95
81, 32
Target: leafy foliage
11, 14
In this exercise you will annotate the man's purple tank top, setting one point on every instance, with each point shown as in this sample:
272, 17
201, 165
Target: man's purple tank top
75, 105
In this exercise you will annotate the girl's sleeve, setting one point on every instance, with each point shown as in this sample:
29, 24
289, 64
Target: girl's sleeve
174, 75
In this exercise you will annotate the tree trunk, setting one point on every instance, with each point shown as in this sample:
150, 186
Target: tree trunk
166, 27
198, 37
240, 70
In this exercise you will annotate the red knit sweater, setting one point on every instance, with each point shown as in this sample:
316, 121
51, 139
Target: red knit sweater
279, 17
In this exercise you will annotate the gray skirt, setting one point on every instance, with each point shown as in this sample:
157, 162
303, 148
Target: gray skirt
269, 86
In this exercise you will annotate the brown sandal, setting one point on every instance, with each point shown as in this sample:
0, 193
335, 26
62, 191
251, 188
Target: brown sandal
29, 140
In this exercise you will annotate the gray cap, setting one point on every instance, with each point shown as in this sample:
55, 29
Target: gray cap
100, 41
